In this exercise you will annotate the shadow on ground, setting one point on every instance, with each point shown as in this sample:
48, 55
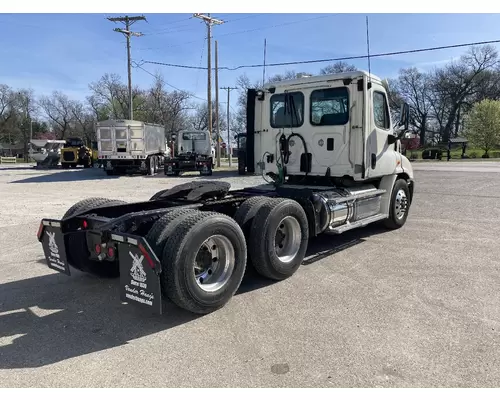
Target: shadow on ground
57, 318
68, 176
195, 175
2, 168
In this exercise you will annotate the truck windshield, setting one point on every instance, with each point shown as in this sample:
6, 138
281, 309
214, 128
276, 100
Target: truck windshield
194, 135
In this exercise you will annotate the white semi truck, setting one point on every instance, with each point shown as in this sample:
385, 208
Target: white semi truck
127, 146
193, 152
332, 156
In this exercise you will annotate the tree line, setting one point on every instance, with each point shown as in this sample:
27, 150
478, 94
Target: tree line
441, 101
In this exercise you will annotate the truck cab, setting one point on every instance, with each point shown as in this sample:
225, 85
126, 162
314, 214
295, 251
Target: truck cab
322, 127
193, 152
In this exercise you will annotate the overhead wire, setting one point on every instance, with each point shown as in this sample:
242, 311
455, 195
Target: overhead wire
237, 32
386, 54
176, 88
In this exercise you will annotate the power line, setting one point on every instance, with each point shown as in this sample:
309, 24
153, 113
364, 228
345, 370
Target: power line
274, 26
238, 32
393, 53
168, 84
178, 89
170, 23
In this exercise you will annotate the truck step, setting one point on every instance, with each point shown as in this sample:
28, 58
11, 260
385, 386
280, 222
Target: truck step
358, 224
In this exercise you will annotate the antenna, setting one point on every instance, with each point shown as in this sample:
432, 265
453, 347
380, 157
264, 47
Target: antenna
368, 47
264, 70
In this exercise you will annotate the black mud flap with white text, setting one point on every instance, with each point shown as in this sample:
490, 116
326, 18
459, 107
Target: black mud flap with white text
53, 246
139, 273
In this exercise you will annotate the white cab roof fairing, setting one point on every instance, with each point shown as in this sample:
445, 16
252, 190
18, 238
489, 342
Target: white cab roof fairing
280, 85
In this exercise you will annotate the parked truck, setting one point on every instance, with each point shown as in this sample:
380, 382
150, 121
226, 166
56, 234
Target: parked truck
332, 157
193, 152
127, 146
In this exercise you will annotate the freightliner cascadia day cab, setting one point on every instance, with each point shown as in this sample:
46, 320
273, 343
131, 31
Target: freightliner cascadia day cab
331, 156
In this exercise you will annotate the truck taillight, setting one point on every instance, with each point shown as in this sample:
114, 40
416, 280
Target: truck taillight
98, 248
111, 252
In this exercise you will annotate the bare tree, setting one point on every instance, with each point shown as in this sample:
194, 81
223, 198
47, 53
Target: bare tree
459, 82
199, 120
111, 94
415, 87
338, 67
59, 110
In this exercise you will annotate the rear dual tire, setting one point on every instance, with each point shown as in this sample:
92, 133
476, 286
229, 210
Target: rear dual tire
203, 257
277, 233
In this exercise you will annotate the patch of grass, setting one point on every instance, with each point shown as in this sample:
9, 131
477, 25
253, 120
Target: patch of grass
456, 153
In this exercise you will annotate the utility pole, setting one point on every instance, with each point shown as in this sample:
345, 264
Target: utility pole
229, 150
129, 21
217, 102
209, 21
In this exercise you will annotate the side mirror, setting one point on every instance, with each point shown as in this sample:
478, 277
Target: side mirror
391, 139
405, 116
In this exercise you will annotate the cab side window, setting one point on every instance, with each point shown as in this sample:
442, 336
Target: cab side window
381, 111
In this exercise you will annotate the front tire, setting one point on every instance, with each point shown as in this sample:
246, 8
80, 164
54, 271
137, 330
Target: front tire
205, 261
400, 205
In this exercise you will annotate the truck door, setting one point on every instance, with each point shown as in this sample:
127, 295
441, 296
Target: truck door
381, 158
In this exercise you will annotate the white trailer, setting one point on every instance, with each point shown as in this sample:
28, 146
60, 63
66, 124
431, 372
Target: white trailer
131, 146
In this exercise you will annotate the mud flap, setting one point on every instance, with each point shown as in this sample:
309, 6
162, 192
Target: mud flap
139, 273
53, 246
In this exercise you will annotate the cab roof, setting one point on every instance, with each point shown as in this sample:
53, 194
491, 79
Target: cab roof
324, 78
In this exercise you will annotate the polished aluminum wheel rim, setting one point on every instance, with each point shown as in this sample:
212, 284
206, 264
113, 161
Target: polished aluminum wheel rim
401, 204
214, 263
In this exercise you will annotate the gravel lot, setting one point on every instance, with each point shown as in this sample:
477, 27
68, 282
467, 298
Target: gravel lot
417, 307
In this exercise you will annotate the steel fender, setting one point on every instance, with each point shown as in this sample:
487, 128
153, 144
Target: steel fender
386, 183
140, 271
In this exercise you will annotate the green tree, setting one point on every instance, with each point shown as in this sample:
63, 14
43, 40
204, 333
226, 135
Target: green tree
483, 125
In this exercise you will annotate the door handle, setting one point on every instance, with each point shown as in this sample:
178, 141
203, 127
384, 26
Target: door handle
374, 160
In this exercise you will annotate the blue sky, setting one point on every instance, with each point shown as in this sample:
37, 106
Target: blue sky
67, 51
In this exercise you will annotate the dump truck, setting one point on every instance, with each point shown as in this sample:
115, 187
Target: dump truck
331, 159
193, 152
127, 146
